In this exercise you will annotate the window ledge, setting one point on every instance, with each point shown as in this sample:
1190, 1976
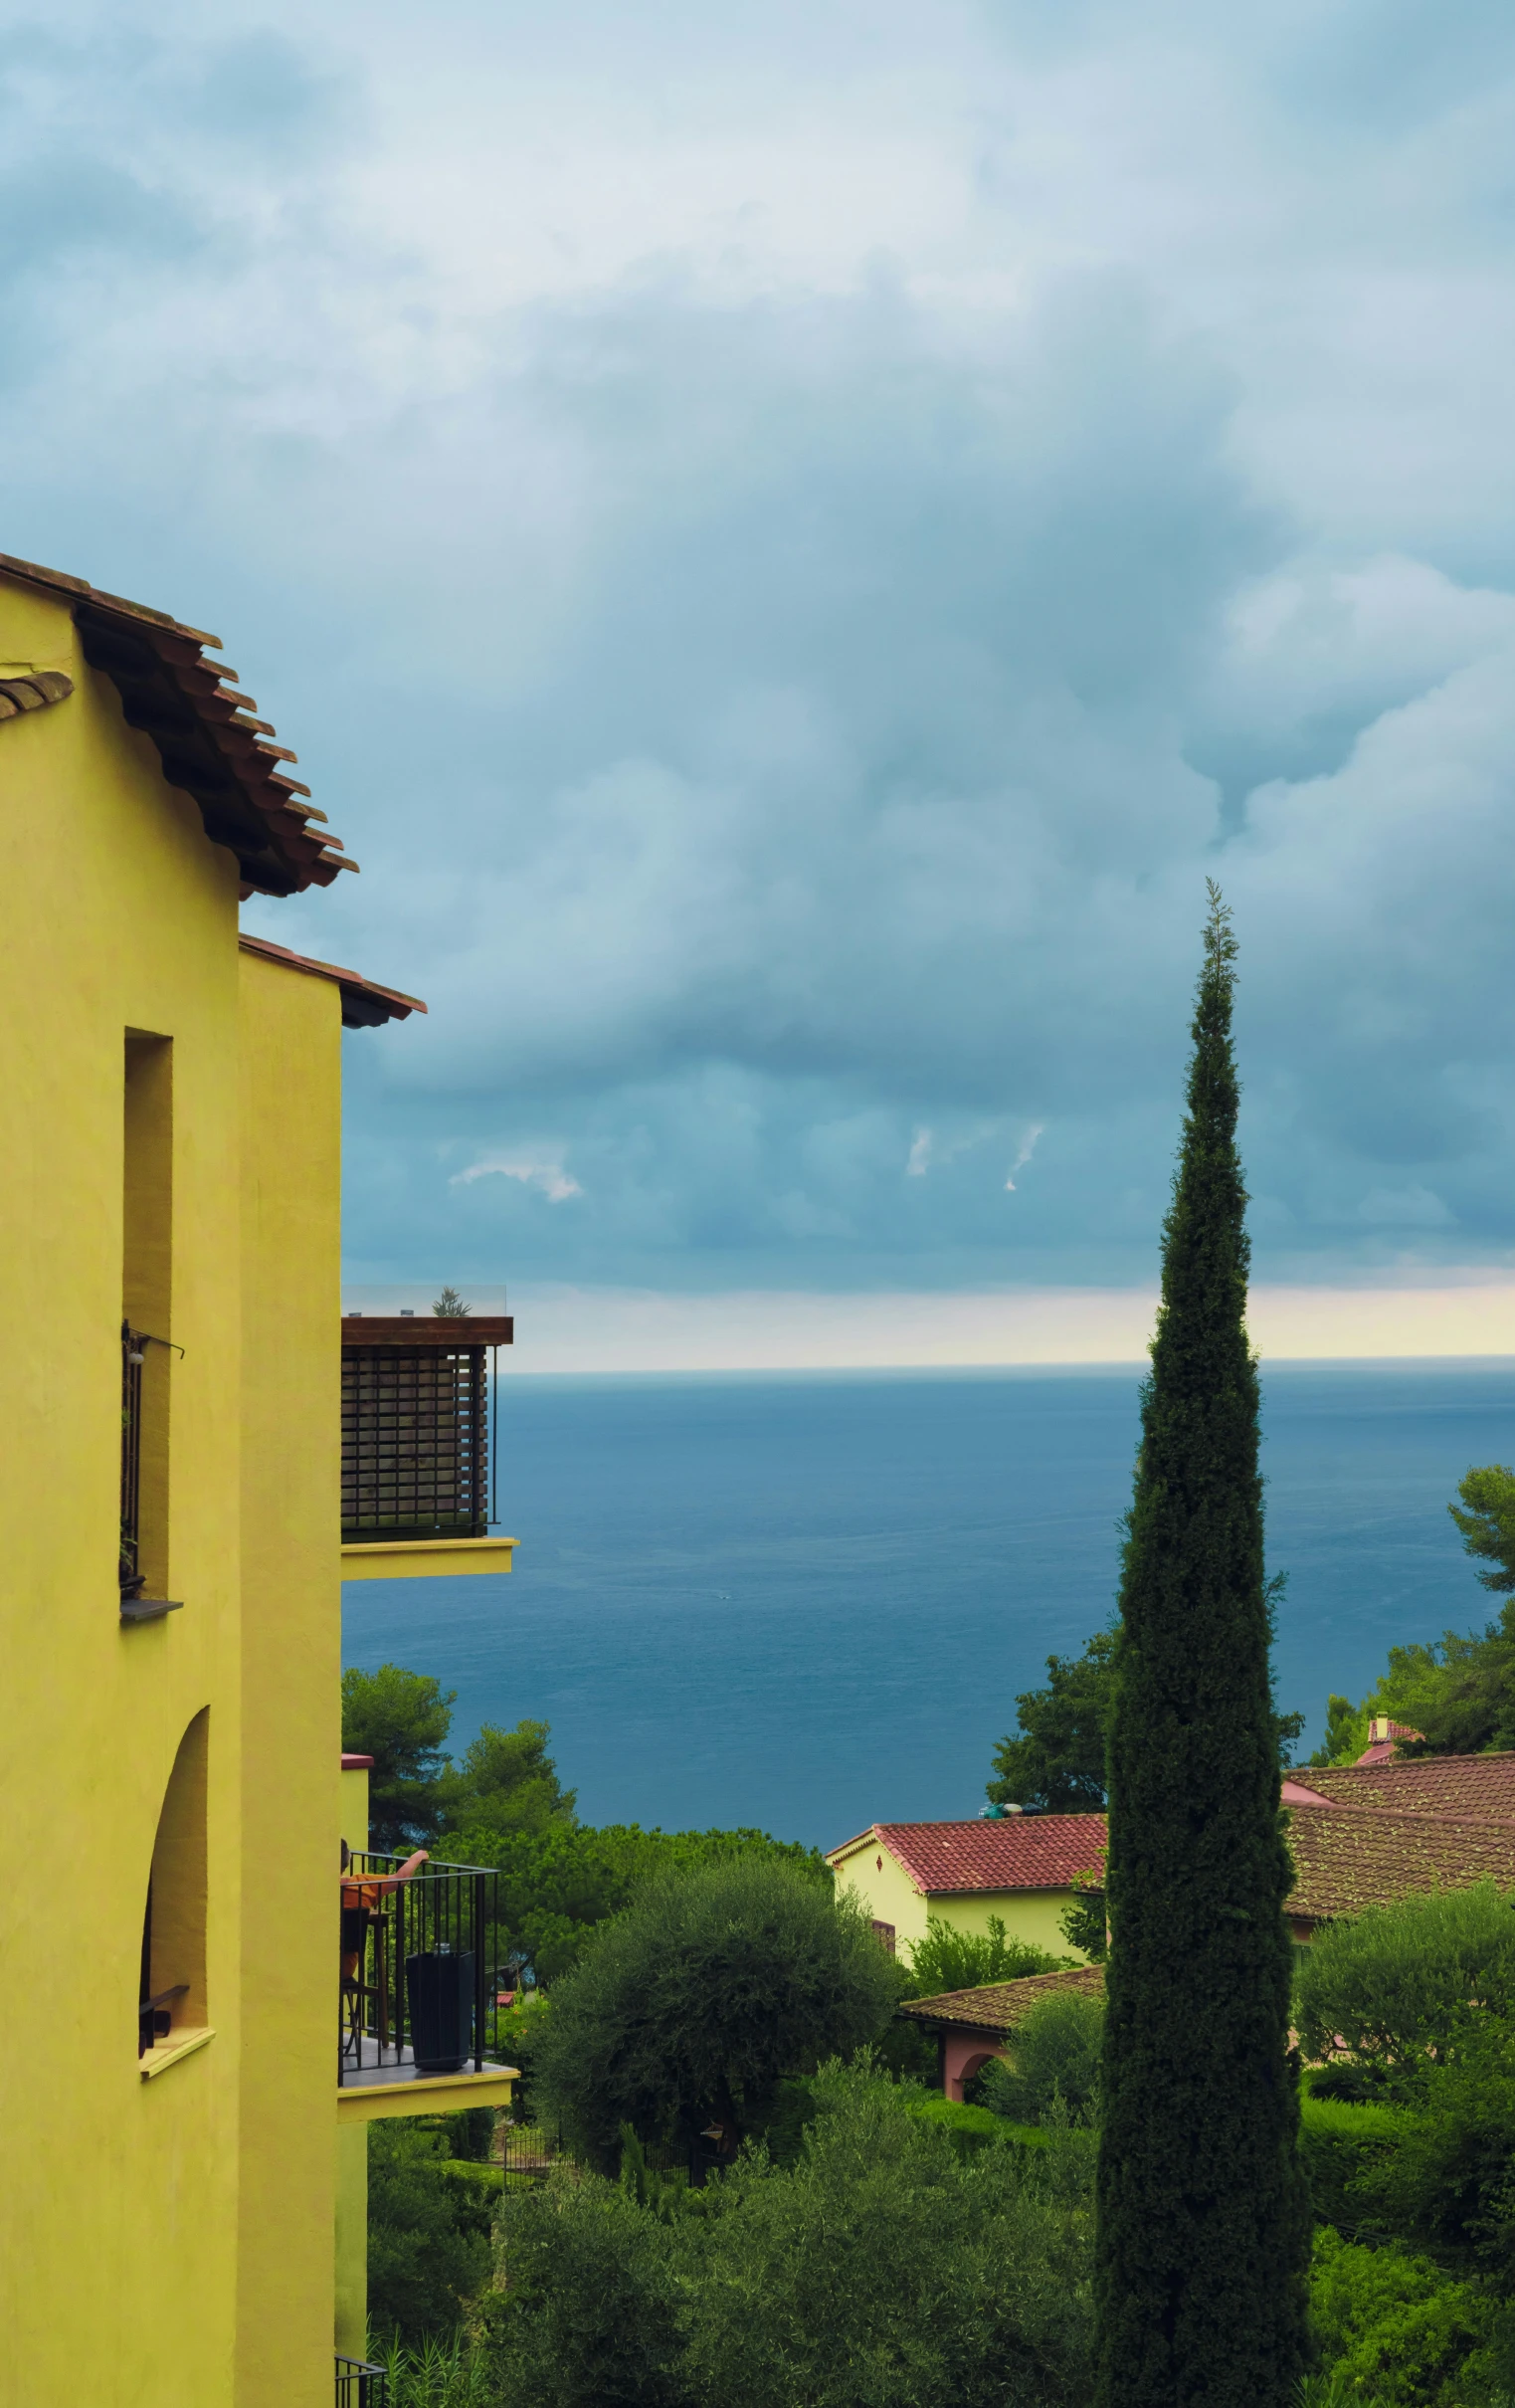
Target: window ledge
149, 1609
171, 2051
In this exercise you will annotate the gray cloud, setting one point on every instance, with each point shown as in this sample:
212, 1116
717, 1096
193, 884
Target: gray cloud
789, 560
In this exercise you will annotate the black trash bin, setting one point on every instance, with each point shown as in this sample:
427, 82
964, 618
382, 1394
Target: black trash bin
439, 1986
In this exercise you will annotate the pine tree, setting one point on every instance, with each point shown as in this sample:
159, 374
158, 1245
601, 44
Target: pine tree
1202, 2224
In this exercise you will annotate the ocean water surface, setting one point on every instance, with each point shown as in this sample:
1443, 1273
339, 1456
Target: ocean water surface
809, 1601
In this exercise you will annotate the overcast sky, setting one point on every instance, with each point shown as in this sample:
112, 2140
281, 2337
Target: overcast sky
789, 541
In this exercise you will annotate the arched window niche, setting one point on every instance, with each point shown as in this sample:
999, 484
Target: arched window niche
172, 2006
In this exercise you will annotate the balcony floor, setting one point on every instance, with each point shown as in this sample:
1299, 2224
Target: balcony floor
369, 2088
363, 2074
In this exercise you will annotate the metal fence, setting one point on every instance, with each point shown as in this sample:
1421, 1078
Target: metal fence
415, 1949
359, 2385
529, 2150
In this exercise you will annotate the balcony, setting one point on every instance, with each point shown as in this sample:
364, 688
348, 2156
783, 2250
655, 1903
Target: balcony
416, 2004
417, 1455
419, 1444
359, 2385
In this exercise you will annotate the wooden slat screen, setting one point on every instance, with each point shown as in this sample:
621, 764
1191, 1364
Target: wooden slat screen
415, 1451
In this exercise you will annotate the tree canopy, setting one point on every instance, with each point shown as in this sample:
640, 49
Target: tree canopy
695, 2004
1486, 1519
401, 1721
1056, 1757
504, 1783
880, 2270
1055, 1760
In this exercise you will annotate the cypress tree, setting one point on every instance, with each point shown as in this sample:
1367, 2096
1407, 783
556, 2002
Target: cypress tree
1203, 2226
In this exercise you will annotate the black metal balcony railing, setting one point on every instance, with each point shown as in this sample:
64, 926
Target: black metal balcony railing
359, 2385
131, 1459
416, 1948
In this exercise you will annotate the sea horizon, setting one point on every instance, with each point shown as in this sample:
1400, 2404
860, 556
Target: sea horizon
807, 1600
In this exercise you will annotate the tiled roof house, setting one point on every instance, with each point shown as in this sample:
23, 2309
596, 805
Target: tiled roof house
1347, 1857
1361, 1836
1022, 1869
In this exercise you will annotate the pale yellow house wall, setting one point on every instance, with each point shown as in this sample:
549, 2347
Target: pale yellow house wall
119, 2210
886, 1891
1028, 1914
891, 1896
290, 1094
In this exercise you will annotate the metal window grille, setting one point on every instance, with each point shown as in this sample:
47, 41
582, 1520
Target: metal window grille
415, 1442
359, 2385
133, 1345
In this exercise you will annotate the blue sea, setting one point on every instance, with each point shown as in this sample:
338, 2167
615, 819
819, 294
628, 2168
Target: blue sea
808, 1602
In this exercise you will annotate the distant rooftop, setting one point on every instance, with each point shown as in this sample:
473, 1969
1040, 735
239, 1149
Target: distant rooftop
1024, 1852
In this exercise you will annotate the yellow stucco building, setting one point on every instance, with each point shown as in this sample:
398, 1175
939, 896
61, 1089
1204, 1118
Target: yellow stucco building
198, 2037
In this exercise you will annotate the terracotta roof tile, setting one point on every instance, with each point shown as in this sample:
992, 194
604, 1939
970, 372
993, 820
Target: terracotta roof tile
364, 1005
1460, 1786
997, 2006
1347, 1858
207, 742
1023, 1851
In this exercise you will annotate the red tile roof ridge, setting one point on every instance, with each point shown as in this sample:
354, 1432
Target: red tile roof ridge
1020, 1852
847, 1846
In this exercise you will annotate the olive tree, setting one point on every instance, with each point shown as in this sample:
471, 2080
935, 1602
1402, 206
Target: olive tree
1402, 1985
692, 2006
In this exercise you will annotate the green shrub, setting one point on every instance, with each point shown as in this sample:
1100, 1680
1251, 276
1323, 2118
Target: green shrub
1405, 1986
1397, 2329
429, 2224
971, 2128
885, 2273
949, 1959
1341, 2145
1053, 2062
588, 2314
437, 2374
1450, 2185
880, 2272
470, 2134
703, 1998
